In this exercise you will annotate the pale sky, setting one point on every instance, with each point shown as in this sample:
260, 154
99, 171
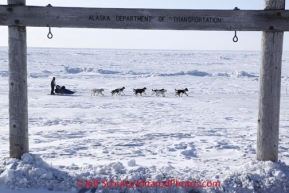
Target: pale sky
144, 39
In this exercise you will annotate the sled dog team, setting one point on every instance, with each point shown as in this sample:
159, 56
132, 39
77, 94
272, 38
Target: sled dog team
140, 91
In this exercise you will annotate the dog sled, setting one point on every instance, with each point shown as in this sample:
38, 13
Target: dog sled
63, 90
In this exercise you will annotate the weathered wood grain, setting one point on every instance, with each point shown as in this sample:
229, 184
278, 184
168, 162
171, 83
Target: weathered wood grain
16, 2
154, 19
18, 100
270, 88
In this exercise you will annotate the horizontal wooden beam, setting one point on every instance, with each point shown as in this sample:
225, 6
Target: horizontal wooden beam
153, 19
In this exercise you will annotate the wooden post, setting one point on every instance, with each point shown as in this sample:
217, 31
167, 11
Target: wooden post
18, 102
270, 86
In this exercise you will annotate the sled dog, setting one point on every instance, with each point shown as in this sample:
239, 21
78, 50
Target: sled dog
118, 91
97, 91
139, 91
180, 92
159, 92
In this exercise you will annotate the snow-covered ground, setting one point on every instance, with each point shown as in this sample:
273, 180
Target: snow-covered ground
208, 136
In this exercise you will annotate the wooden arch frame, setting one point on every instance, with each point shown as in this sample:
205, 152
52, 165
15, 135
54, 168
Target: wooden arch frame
273, 21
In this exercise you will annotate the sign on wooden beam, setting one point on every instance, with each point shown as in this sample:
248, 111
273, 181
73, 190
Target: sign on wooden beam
157, 19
